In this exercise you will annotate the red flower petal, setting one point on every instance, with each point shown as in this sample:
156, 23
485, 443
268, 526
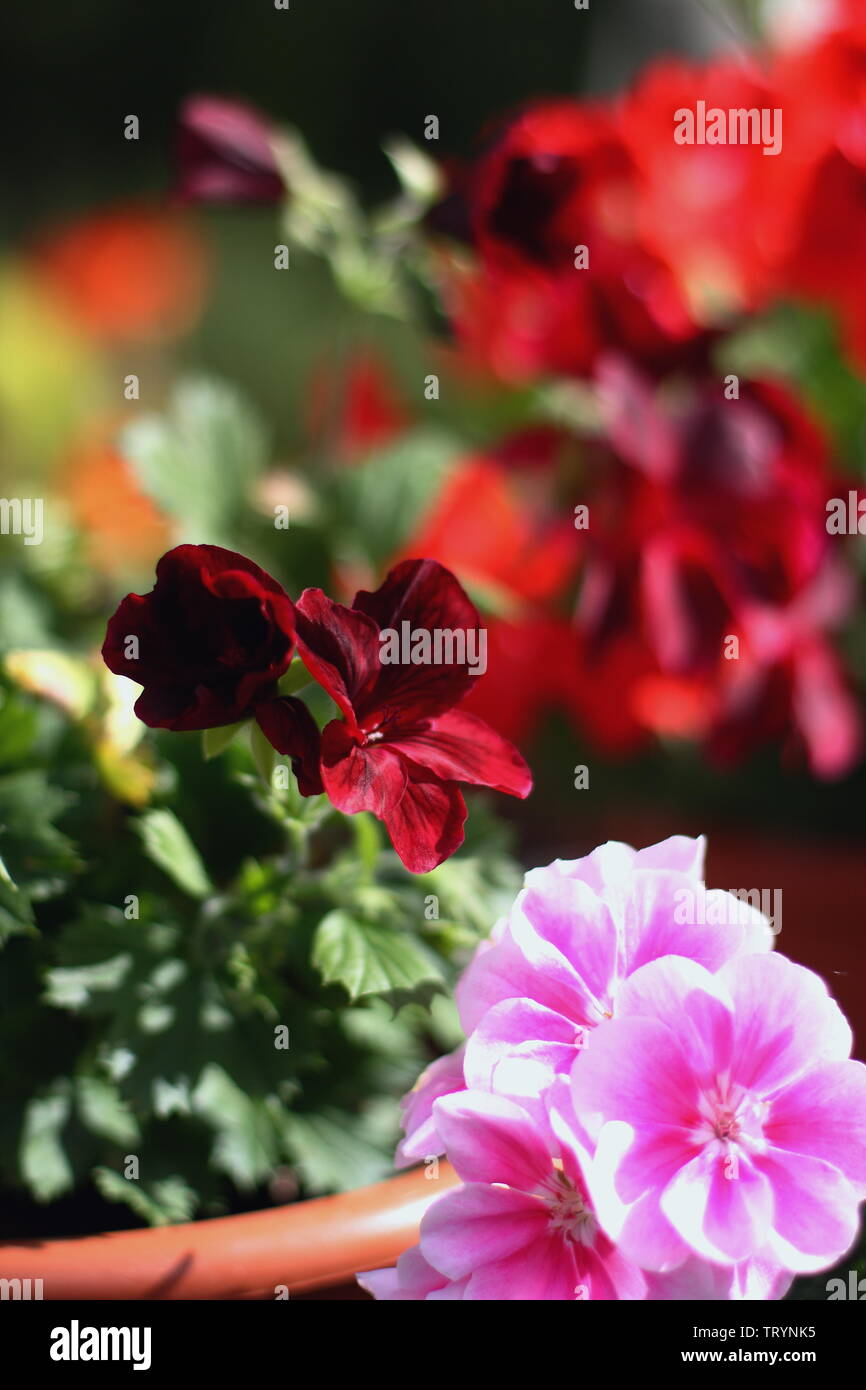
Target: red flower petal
290, 728
339, 647
426, 825
357, 777
211, 639
427, 598
462, 748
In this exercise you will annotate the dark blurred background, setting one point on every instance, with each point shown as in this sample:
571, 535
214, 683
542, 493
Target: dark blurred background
346, 73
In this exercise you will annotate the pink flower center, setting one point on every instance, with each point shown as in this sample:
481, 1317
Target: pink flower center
732, 1117
727, 1126
569, 1213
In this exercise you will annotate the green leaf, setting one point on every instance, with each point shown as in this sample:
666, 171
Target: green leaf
199, 462
215, 741
39, 858
42, 1157
161, 1203
379, 502
246, 1144
16, 914
339, 1150
295, 679
168, 845
263, 753
368, 959
102, 1111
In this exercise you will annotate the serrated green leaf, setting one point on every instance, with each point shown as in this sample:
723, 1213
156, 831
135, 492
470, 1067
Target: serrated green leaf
368, 959
39, 858
74, 988
246, 1145
338, 1150
168, 845
16, 913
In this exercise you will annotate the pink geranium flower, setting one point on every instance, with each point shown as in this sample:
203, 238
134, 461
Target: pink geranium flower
523, 1227
410, 1280
441, 1078
553, 965
727, 1116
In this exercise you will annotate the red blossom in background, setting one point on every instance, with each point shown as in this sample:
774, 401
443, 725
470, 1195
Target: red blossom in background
815, 204
208, 643
401, 747
355, 411
708, 522
699, 206
87, 266
560, 176
521, 559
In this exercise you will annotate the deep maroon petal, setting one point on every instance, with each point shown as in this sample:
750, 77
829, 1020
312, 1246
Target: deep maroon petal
462, 748
339, 647
209, 641
421, 596
290, 728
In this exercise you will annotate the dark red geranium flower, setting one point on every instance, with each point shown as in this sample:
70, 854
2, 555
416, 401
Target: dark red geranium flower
225, 154
708, 522
401, 747
208, 643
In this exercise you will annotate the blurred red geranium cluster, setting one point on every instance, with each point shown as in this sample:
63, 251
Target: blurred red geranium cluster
698, 591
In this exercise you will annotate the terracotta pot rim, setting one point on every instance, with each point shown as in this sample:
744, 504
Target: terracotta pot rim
266, 1254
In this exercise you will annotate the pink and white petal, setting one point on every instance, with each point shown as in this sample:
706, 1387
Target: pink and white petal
441, 1078
492, 1139
679, 853
753, 1280
669, 915
607, 1275
695, 1007
815, 1217
478, 1225
519, 1030
383, 1284
543, 1271
633, 1069
572, 918
412, 1278
785, 1022
823, 1114
639, 1229
721, 1210
529, 967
